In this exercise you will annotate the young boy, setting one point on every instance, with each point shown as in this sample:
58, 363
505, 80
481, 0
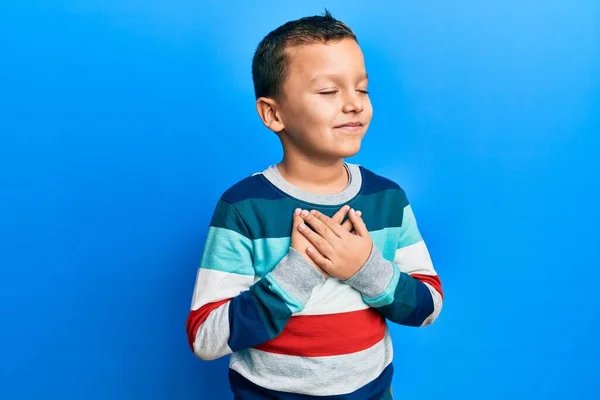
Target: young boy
306, 261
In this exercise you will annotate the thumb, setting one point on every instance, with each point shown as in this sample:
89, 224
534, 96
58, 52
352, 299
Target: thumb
359, 224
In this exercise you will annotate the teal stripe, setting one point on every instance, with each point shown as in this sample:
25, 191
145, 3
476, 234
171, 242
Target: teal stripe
293, 304
227, 216
273, 218
227, 251
382, 209
387, 297
388, 395
410, 231
412, 302
268, 252
386, 240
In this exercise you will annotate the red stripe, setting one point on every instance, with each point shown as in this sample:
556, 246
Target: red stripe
433, 280
328, 335
197, 317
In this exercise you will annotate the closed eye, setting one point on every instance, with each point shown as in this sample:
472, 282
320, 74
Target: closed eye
328, 93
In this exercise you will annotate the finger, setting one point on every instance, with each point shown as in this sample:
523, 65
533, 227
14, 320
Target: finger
347, 225
296, 222
297, 212
335, 227
359, 213
359, 224
296, 219
320, 243
322, 261
319, 226
339, 216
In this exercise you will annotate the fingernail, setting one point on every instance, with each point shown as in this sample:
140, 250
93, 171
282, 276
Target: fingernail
359, 213
301, 227
346, 207
297, 211
313, 212
352, 210
309, 250
304, 213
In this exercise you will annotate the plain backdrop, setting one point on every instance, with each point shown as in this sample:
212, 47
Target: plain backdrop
122, 122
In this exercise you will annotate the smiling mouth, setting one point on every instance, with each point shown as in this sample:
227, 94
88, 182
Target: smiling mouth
351, 128
350, 125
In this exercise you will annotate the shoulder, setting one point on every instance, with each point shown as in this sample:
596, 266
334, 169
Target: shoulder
229, 210
251, 187
243, 205
377, 184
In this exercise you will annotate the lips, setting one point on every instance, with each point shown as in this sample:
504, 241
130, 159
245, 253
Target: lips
350, 125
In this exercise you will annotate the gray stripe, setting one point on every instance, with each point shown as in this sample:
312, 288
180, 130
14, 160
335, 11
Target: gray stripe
213, 334
314, 376
355, 182
374, 277
297, 276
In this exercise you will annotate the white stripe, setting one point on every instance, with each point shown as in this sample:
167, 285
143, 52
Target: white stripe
213, 285
314, 376
414, 259
333, 297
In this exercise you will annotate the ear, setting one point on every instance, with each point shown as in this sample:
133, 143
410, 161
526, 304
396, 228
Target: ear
268, 111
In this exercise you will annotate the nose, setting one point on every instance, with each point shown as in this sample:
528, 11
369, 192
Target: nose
353, 102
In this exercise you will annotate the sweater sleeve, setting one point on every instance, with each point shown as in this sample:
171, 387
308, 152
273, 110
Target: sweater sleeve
232, 308
407, 290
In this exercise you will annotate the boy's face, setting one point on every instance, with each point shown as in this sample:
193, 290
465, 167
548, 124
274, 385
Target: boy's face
325, 109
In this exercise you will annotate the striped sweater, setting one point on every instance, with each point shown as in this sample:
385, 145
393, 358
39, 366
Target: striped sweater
290, 332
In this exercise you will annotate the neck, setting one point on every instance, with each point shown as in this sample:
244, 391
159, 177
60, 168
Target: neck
317, 176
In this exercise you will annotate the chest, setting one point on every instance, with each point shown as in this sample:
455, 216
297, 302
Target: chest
269, 251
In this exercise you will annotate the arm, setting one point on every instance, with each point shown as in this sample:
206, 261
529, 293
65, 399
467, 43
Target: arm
408, 290
232, 310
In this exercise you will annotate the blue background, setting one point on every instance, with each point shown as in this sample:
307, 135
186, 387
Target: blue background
121, 122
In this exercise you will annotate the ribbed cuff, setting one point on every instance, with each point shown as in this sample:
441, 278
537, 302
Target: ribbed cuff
297, 276
374, 276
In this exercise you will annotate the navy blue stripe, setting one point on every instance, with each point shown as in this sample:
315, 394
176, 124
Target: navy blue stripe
423, 306
243, 389
252, 187
412, 302
373, 183
256, 316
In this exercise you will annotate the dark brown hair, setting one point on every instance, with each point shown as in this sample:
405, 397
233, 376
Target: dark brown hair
270, 63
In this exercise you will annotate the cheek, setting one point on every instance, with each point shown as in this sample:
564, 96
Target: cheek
318, 115
325, 114
368, 110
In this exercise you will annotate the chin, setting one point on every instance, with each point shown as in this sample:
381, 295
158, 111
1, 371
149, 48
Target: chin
347, 151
